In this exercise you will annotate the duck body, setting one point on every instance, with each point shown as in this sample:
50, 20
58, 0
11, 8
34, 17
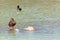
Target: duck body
11, 24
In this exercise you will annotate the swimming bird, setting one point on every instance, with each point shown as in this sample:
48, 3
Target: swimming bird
11, 24
18, 8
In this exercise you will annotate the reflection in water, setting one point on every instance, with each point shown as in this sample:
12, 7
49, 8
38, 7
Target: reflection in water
11, 33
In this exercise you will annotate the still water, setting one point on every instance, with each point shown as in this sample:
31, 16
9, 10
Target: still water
48, 30
43, 15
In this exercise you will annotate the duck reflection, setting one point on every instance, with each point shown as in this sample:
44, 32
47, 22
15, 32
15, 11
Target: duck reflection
11, 33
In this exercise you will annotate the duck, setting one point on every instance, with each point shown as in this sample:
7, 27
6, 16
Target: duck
11, 24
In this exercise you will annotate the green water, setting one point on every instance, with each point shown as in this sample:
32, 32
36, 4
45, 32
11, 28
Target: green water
44, 15
32, 10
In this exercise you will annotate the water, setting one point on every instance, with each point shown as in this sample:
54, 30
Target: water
48, 30
44, 15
